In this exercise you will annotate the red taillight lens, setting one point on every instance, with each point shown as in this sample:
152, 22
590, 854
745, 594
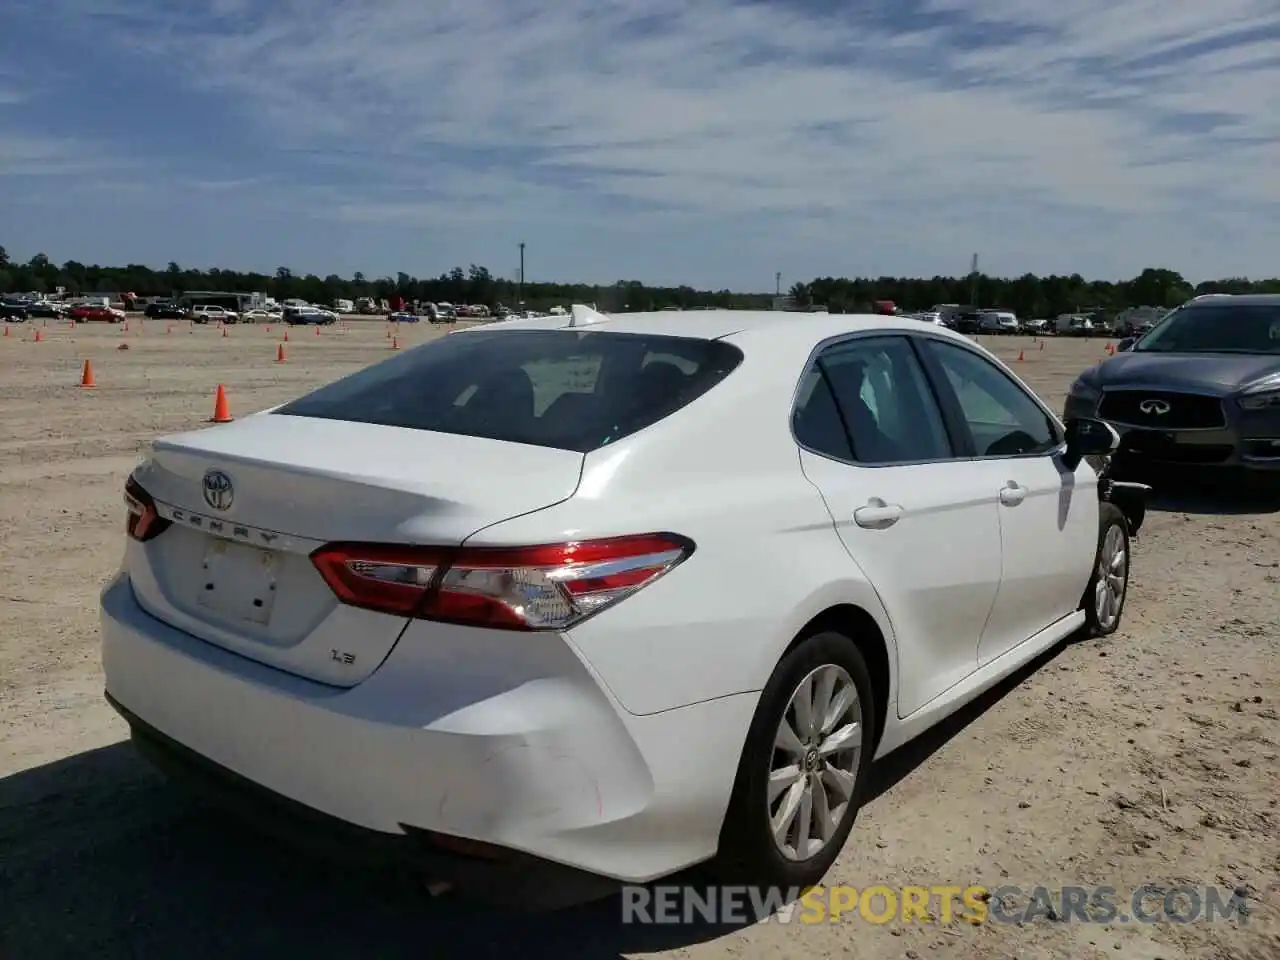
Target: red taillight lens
143, 522
547, 587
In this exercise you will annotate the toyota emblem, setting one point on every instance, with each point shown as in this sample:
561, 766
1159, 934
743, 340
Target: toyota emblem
218, 492
1154, 407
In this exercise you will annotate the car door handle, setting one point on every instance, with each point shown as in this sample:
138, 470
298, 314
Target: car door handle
1011, 494
877, 515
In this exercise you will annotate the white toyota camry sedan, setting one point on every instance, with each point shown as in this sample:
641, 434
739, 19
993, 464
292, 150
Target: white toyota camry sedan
609, 595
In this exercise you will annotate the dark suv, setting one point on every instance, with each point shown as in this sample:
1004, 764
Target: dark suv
1197, 393
14, 310
166, 311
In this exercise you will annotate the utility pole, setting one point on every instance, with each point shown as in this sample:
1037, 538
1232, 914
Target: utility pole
973, 281
777, 284
520, 282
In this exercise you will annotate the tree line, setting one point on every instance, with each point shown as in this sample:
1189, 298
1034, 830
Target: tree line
1028, 295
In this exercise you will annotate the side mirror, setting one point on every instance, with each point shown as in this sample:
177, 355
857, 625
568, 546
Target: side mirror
1126, 344
1087, 437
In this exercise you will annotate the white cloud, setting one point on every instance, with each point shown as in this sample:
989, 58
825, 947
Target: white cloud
1072, 131
49, 157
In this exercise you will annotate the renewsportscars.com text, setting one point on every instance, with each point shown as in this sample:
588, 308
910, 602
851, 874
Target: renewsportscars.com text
880, 904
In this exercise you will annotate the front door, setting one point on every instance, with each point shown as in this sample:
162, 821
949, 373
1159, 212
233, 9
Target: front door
1048, 514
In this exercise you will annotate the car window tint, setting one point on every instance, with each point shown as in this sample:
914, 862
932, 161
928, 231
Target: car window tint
816, 420
1002, 417
568, 389
885, 399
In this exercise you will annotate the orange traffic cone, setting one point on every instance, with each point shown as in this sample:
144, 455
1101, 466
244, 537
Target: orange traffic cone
124, 328
388, 332
86, 375
286, 335
6, 329
395, 343
1021, 356
280, 353
224, 331
221, 409
317, 329
1041, 344
39, 335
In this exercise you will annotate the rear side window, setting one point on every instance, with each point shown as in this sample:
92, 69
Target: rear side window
569, 389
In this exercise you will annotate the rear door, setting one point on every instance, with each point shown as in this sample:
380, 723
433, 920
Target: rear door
922, 525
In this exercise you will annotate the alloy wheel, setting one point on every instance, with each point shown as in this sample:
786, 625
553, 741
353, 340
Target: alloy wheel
1113, 573
815, 759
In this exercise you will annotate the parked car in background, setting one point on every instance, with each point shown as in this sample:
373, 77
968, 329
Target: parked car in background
444, 603
309, 315
403, 316
929, 317
1036, 325
441, 312
1073, 325
261, 315
13, 310
1136, 321
86, 312
998, 322
166, 311
206, 313
1199, 392
47, 309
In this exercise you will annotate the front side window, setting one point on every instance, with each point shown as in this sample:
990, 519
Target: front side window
1002, 417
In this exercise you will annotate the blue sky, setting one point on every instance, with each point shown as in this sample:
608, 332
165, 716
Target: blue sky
709, 143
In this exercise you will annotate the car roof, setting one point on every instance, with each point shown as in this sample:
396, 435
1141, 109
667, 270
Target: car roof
759, 327
1236, 300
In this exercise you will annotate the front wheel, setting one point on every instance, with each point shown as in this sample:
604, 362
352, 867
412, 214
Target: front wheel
1104, 597
803, 768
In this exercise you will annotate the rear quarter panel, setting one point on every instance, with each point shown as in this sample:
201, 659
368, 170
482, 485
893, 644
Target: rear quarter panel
725, 472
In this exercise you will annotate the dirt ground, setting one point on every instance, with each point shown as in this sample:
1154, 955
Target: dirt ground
1148, 758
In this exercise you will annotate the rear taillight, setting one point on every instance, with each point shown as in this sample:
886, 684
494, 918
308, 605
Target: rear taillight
549, 587
143, 522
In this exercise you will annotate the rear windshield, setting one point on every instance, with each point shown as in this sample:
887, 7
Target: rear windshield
569, 389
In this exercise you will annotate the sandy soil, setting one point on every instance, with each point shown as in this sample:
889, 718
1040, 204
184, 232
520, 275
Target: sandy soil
1151, 757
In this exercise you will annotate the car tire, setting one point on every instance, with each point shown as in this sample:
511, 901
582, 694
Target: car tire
1104, 597
749, 852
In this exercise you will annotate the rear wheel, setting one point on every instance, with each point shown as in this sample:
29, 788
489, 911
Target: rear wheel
1104, 597
803, 767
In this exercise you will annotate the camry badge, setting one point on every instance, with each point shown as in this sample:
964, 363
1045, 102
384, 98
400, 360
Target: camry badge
218, 492
1154, 407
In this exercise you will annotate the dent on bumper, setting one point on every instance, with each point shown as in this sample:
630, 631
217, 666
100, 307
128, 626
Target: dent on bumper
545, 765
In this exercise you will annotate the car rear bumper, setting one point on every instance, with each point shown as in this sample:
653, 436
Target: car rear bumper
503, 876
548, 767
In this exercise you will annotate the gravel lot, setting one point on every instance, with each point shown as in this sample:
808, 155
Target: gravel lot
1148, 758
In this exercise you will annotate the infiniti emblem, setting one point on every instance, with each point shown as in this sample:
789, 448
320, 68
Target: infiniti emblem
218, 492
1154, 407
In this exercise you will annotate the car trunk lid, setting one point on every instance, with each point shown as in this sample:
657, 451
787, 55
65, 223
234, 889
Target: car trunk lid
250, 501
